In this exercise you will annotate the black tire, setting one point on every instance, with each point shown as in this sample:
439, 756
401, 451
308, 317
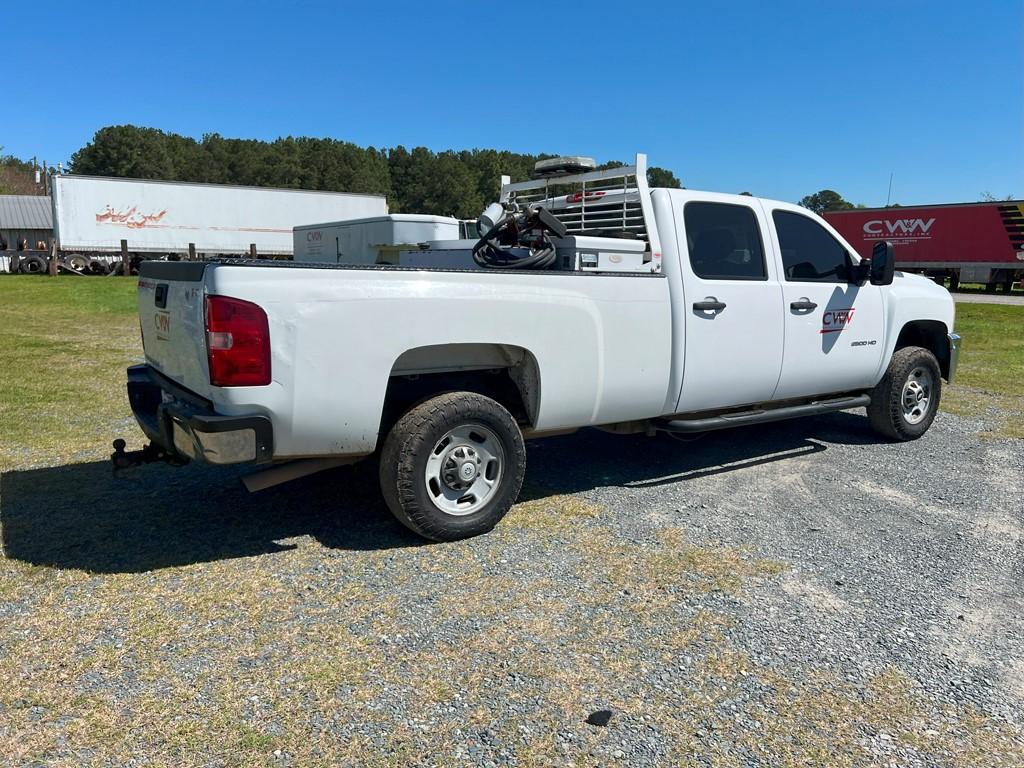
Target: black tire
77, 262
891, 412
97, 267
33, 265
417, 439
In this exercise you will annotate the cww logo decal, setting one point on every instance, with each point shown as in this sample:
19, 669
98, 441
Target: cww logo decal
835, 320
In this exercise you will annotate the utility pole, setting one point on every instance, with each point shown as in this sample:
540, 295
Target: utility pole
888, 197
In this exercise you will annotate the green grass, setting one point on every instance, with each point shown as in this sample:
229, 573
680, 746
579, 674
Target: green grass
990, 380
64, 345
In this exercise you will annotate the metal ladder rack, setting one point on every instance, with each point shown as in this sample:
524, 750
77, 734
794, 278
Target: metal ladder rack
611, 203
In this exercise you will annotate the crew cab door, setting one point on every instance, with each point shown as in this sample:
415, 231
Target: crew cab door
834, 325
731, 303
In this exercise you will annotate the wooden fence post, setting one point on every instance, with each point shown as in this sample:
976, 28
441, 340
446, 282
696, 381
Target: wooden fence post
252, 251
126, 263
191, 251
53, 258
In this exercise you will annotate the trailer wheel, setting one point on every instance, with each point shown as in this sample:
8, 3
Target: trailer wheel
904, 403
96, 267
33, 265
453, 466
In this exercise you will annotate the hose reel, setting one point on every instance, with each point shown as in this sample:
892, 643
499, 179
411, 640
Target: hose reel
518, 240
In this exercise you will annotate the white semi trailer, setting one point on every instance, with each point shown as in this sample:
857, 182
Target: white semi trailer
92, 215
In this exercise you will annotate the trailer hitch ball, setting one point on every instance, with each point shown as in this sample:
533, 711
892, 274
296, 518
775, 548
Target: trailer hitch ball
120, 459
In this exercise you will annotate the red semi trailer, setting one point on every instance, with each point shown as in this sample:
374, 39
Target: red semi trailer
966, 242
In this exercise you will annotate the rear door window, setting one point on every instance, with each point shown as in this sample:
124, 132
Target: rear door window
724, 241
809, 252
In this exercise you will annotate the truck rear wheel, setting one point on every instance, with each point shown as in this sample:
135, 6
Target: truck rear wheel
904, 403
453, 466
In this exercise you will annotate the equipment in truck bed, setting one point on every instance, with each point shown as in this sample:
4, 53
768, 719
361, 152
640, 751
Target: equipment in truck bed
614, 204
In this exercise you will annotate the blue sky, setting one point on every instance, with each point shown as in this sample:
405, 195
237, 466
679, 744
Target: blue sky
778, 98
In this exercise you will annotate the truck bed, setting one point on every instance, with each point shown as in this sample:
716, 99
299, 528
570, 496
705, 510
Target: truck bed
601, 342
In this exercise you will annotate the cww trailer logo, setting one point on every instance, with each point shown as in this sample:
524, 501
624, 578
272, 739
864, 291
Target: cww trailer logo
904, 227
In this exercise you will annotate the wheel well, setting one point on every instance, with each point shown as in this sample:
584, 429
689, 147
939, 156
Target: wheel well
506, 374
930, 334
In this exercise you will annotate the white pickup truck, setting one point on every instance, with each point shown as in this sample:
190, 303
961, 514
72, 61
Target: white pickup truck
672, 310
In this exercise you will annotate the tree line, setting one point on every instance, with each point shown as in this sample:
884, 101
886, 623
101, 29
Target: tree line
452, 182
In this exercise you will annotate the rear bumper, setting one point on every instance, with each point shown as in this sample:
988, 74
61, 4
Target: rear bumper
185, 425
954, 356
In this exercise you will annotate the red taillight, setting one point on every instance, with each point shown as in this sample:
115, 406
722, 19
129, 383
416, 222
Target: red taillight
237, 343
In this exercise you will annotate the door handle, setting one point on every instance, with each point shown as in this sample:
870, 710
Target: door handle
802, 304
709, 305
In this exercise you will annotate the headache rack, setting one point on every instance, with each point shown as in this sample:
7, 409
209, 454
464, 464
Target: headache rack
613, 203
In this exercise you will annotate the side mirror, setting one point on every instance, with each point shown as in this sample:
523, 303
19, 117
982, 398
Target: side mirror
883, 263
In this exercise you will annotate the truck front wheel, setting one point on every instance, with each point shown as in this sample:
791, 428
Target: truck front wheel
904, 403
453, 466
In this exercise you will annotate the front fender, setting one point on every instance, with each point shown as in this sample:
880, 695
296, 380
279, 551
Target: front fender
920, 311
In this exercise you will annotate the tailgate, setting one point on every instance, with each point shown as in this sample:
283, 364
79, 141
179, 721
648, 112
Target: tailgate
172, 297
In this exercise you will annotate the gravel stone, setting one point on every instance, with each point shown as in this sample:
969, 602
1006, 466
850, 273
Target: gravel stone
717, 595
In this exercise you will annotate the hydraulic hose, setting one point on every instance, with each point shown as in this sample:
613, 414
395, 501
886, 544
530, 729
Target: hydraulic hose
489, 254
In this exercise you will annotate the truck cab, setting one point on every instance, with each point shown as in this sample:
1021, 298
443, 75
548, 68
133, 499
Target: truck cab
775, 286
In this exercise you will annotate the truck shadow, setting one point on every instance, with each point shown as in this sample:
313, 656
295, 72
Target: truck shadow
81, 516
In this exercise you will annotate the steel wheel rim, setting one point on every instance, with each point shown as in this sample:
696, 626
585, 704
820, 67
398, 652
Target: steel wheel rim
917, 395
464, 469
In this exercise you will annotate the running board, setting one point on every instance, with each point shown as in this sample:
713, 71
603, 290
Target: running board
763, 416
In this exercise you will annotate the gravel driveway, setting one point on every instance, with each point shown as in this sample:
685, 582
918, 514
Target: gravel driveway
1016, 300
798, 593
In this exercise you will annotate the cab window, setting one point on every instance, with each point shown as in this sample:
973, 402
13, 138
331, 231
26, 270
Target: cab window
809, 252
724, 242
